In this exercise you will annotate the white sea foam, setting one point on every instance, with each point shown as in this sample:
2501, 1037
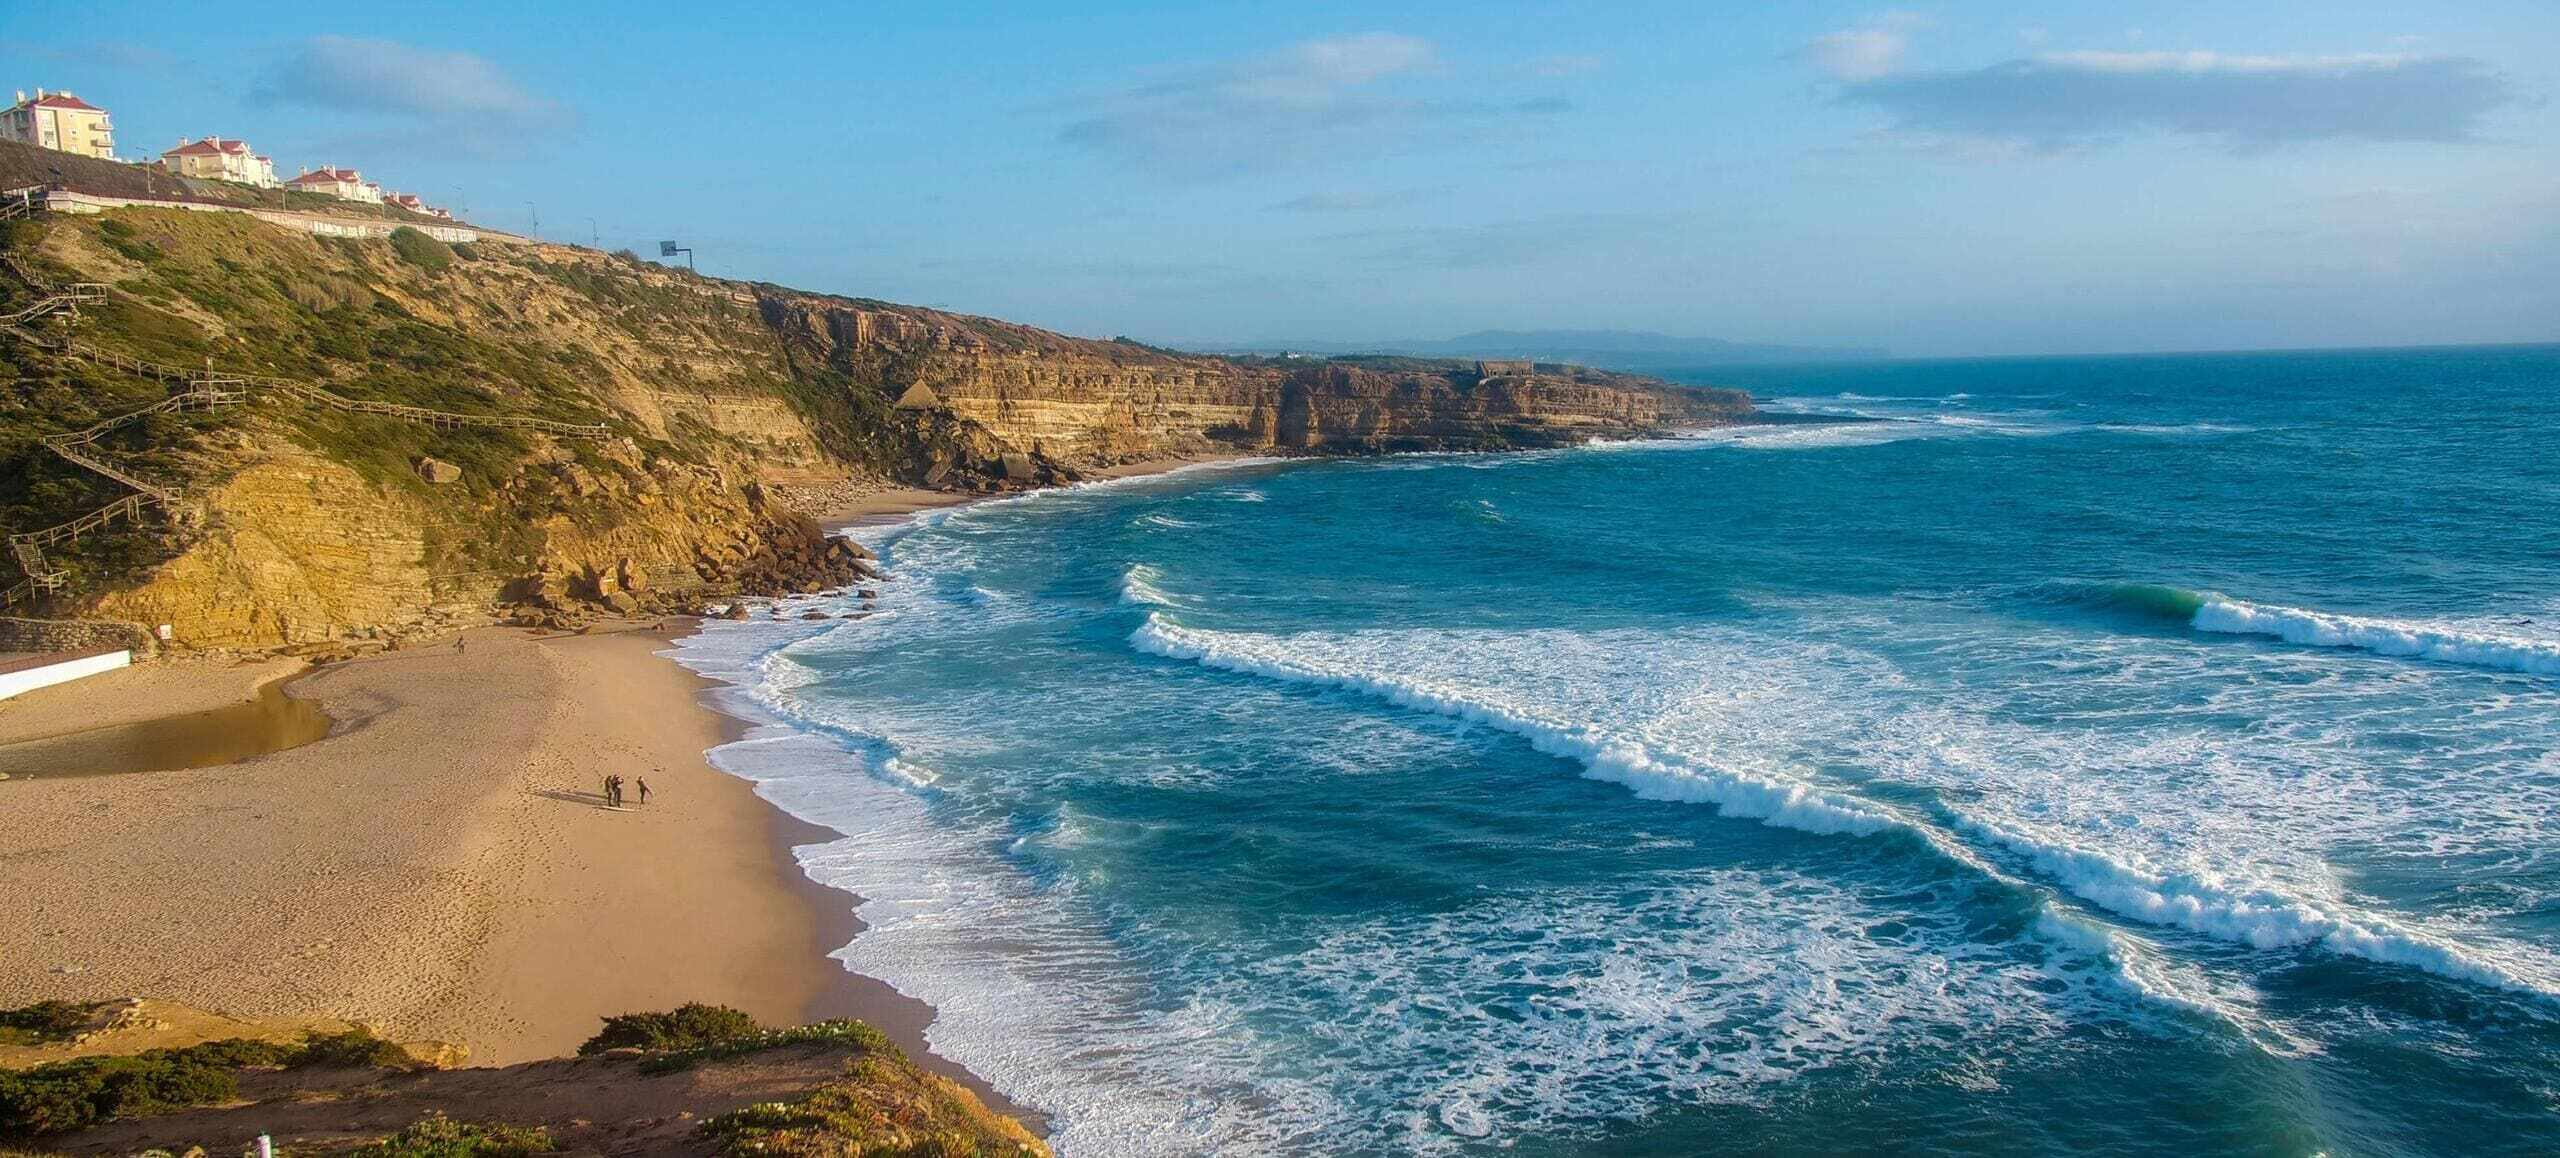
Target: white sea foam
1648, 738
1029, 993
1543, 1012
2255, 916
1708, 987
1769, 798
1138, 587
2393, 637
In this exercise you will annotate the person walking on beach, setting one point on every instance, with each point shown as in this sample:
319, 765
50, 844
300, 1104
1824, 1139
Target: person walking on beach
457, 645
644, 788
613, 792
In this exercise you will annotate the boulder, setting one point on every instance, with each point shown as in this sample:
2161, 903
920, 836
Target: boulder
737, 611
438, 471
1017, 467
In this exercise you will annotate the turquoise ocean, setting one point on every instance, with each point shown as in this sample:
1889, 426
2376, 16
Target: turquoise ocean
2142, 755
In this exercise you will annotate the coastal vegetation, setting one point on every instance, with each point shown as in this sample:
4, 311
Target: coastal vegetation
45, 1022
688, 1026
437, 1136
858, 1095
63, 1096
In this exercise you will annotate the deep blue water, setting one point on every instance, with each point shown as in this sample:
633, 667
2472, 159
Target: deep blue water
2136, 755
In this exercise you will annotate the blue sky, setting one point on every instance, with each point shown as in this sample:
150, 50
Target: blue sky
1938, 179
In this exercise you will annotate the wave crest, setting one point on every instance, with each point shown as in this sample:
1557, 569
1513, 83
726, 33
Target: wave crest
1654, 776
1138, 587
2389, 637
2242, 913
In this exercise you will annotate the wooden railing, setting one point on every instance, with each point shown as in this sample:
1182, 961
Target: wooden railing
70, 298
75, 448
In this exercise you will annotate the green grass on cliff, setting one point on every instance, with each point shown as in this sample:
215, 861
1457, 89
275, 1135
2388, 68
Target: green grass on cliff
45, 1022
437, 1136
63, 1096
492, 330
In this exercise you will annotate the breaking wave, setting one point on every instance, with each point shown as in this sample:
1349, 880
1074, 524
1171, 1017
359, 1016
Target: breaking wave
2392, 637
1138, 587
2399, 638
1772, 800
2241, 913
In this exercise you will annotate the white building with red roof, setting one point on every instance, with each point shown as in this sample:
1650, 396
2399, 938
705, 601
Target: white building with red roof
343, 184
59, 120
218, 159
412, 203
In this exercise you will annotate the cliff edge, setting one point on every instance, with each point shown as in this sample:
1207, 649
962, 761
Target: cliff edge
379, 438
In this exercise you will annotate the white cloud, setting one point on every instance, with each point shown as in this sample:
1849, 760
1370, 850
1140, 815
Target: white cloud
2061, 99
1318, 99
455, 97
1867, 50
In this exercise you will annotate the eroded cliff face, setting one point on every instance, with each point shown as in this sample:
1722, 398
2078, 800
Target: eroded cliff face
1084, 403
302, 525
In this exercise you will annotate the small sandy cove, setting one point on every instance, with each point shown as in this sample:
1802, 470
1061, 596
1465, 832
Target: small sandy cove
441, 867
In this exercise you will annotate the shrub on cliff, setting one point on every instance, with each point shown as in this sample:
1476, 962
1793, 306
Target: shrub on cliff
354, 1049
44, 1021
51, 1099
69, 1095
420, 250
885, 1107
686, 1026
437, 1136
840, 1032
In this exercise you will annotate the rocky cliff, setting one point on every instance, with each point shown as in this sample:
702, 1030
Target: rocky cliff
305, 520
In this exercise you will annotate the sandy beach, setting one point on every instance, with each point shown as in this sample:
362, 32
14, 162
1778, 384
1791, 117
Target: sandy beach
441, 867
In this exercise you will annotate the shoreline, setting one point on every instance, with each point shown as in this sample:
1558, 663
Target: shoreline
905, 1019
440, 866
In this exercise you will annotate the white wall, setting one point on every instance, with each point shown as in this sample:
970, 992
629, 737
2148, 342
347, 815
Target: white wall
29, 680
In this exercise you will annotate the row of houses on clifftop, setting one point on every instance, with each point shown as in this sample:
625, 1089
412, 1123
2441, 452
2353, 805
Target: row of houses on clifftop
61, 121
218, 159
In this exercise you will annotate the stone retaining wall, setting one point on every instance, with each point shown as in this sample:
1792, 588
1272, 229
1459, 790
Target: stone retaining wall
74, 635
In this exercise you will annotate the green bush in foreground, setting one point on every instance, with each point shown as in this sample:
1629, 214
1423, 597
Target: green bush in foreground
437, 1136
884, 1108
69, 1095
684, 1027
839, 1032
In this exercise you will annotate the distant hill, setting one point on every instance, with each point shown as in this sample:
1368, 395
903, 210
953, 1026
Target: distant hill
1605, 349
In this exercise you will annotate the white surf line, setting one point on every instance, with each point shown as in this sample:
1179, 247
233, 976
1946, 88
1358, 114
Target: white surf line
2258, 918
